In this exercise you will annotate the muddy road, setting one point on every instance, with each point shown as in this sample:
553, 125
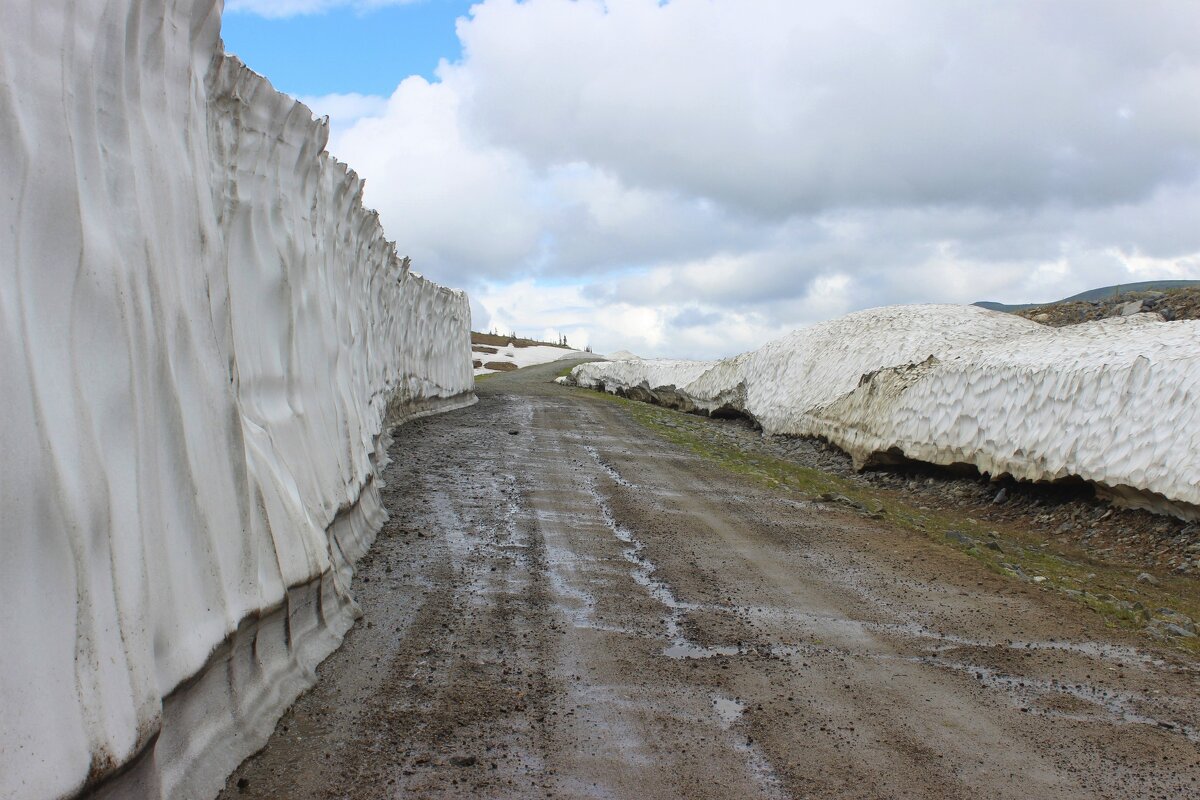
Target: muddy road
566, 605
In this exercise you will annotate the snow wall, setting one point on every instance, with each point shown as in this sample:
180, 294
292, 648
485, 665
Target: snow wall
204, 338
1114, 402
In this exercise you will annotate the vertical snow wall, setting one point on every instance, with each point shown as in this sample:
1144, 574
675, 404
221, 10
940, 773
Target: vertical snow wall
204, 338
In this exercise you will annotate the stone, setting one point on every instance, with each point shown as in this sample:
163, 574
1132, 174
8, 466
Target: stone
1132, 307
846, 501
1146, 577
1178, 631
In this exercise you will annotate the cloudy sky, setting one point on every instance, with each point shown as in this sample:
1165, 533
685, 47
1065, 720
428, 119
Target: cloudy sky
695, 177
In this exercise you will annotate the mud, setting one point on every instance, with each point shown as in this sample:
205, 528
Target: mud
564, 605
1068, 513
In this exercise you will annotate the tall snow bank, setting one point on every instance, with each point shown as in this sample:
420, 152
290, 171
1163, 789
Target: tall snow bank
1114, 402
204, 337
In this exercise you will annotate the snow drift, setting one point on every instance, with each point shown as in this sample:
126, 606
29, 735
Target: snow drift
204, 339
1114, 402
520, 357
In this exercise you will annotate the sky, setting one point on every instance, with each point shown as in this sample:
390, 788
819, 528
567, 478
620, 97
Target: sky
692, 178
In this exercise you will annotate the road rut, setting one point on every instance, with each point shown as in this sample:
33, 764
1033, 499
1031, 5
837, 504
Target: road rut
565, 605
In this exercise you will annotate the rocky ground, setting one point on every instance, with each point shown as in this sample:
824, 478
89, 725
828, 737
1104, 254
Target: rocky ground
1172, 304
578, 596
1067, 513
1133, 567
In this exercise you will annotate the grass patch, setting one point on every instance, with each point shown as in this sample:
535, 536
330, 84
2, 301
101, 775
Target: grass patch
1109, 589
497, 340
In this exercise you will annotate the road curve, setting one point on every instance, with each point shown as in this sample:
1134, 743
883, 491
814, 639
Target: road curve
565, 605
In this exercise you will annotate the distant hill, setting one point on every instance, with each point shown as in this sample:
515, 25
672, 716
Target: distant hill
492, 352
1093, 295
497, 340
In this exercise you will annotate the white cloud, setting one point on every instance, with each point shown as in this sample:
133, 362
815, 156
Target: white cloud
291, 8
776, 107
344, 110
695, 176
529, 307
461, 208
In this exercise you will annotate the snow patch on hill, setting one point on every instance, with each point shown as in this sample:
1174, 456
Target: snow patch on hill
204, 338
1113, 402
520, 356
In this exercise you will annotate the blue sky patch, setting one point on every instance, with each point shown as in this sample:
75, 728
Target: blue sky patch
342, 51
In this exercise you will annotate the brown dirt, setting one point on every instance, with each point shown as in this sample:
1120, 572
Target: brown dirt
564, 604
1137, 569
1068, 514
501, 366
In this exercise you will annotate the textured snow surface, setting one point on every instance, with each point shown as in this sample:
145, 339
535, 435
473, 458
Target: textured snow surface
1115, 402
203, 337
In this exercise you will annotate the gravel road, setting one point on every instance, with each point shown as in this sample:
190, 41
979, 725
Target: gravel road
565, 605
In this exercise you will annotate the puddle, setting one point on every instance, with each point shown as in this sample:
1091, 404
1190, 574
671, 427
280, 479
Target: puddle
851, 632
1118, 706
608, 468
643, 573
1102, 652
729, 713
577, 604
728, 710
684, 649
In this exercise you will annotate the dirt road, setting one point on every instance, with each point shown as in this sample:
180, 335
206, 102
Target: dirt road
566, 605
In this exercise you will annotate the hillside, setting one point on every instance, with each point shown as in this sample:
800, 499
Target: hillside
1171, 304
1102, 294
492, 352
498, 340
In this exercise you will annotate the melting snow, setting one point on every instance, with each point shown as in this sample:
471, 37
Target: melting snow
1114, 402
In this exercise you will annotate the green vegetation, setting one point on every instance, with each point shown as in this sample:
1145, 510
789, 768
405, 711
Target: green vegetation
1102, 293
498, 340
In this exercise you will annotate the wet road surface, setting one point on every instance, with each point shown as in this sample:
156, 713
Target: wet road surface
565, 605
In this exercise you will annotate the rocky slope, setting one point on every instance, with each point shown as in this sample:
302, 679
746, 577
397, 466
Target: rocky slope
1171, 304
